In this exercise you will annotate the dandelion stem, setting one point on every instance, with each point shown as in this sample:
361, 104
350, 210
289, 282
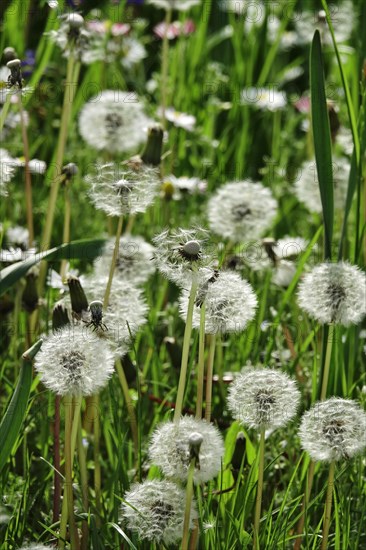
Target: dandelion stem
258, 503
72, 74
4, 111
113, 263
56, 461
84, 486
97, 469
72, 440
185, 351
28, 180
328, 506
328, 356
164, 67
129, 405
209, 376
66, 231
201, 362
189, 497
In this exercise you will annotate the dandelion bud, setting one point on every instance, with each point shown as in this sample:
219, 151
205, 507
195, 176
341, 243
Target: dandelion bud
152, 152
60, 316
155, 511
334, 293
263, 398
30, 293
333, 429
172, 444
79, 302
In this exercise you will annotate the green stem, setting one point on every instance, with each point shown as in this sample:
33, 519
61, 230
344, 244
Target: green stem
4, 111
185, 351
188, 505
113, 263
72, 73
66, 230
129, 405
258, 503
209, 376
164, 67
84, 487
28, 180
201, 363
97, 468
328, 357
72, 443
328, 506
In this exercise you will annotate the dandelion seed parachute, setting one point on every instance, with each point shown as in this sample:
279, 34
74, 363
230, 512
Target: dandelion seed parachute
333, 429
169, 449
263, 398
114, 121
230, 303
155, 511
118, 190
241, 211
334, 293
74, 361
134, 262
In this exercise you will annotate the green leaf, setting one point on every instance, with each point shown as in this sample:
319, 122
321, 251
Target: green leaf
88, 249
13, 419
322, 141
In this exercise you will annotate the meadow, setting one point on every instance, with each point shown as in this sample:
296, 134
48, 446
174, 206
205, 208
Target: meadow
182, 285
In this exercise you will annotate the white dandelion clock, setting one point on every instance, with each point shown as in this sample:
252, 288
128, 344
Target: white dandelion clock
74, 361
342, 16
181, 255
263, 398
230, 303
333, 430
241, 211
306, 186
155, 511
72, 37
334, 293
117, 189
114, 121
170, 449
134, 262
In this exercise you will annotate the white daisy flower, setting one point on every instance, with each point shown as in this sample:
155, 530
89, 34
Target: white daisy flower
180, 5
334, 293
261, 397
333, 429
181, 120
241, 211
170, 449
74, 361
265, 99
114, 121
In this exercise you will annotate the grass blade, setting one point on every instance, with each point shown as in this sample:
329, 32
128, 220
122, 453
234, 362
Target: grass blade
322, 142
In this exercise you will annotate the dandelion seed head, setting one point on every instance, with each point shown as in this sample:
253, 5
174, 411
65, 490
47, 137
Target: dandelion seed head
241, 211
170, 449
333, 429
230, 303
334, 293
74, 361
263, 398
114, 121
118, 190
155, 511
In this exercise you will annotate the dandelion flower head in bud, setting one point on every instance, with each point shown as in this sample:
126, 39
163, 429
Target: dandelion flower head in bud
230, 303
241, 211
306, 186
155, 511
133, 262
333, 429
170, 449
334, 293
114, 121
126, 312
72, 36
117, 189
7, 169
74, 361
261, 397
181, 5
181, 255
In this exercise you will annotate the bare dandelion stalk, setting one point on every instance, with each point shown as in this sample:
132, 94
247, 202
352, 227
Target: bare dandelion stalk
185, 351
328, 356
258, 503
209, 375
113, 263
328, 506
66, 230
187, 510
201, 363
28, 180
